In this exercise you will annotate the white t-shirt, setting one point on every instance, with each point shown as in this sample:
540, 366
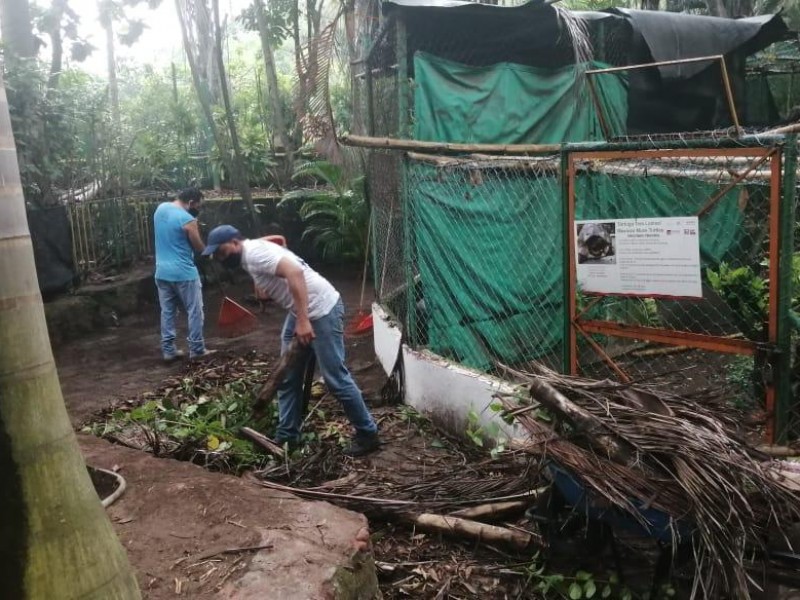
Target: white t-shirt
260, 259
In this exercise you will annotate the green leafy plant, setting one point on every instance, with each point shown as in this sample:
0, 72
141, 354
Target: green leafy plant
336, 215
745, 292
583, 585
192, 423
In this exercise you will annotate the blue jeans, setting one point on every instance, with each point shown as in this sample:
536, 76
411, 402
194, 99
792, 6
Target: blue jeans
328, 347
189, 296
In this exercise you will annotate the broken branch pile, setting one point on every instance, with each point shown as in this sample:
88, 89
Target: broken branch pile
634, 447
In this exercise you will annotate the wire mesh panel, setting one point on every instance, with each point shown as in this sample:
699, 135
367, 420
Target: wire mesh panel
674, 268
384, 178
111, 233
484, 258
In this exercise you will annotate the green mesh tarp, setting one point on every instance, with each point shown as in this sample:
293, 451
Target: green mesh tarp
509, 103
489, 258
490, 251
619, 197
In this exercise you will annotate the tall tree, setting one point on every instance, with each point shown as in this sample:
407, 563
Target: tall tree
239, 172
55, 540
197, 36
109, 11
268, 38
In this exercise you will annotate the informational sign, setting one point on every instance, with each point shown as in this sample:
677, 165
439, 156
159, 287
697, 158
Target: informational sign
639, 257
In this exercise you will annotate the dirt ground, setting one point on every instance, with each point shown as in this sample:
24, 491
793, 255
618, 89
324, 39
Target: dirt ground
174, 513
201, 535
122, 362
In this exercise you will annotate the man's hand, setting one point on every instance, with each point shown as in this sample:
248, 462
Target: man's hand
304, 332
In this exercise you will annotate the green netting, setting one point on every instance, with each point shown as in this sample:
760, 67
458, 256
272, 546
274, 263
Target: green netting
509, 103
489, 259
489, 251
619, 197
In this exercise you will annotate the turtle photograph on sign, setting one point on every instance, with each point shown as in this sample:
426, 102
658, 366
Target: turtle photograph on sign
639, 257
596, 243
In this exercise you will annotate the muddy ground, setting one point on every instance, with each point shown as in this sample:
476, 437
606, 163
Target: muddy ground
197, 512
122, 362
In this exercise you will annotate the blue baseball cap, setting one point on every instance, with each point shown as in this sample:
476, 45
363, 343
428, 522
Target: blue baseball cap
219, 235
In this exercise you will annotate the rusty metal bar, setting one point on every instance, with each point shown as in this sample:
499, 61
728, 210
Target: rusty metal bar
671, 153
663, 63
732, 184
603, 354
699, 341
726, 83
573, 276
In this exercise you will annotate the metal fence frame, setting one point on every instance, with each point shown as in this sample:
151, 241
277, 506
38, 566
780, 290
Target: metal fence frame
777, 346
783, 154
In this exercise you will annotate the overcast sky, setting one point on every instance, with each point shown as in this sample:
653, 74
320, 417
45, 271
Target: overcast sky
159, 44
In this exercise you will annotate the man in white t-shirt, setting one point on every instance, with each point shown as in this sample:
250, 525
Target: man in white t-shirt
316, 319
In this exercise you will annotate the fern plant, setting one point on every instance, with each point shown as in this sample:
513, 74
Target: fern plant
336, 216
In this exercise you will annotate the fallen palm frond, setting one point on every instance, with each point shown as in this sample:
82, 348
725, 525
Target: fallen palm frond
635, 447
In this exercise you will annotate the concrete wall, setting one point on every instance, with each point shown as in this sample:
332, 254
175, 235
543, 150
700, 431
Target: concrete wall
437, 387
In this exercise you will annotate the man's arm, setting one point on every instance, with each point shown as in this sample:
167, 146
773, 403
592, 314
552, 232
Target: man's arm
293, 275
193, 233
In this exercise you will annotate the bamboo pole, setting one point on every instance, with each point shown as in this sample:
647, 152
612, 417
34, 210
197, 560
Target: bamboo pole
359, 141
495, 510
464, 528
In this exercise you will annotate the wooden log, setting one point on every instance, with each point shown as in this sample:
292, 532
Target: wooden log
295, 353
597, 434
464, 528
791, 128
493, 510
263, 441
779, 451
359, 141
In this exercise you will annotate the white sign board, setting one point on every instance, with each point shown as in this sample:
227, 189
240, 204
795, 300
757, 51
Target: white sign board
639, 257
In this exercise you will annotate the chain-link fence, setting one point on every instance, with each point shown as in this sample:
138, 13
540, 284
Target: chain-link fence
473, 257
645, 211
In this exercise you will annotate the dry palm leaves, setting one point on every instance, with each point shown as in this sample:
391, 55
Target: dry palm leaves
632, 446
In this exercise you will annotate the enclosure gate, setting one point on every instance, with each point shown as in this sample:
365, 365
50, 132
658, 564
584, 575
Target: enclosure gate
643, 306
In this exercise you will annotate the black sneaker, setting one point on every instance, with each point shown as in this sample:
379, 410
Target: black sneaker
291, 445
362, 445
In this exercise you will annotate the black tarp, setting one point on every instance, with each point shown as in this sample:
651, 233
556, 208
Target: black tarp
52, 248
686, 97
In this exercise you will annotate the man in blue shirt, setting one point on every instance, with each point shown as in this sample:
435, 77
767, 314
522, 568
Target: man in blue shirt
177, 279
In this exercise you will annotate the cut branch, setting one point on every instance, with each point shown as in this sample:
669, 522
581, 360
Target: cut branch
464, 528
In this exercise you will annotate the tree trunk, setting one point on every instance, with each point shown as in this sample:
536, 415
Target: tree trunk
57, 43
276, 106
55, 540
203, 93
17, 29
113, 87
239, 173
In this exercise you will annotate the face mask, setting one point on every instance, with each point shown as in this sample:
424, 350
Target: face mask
194, 212
232, 261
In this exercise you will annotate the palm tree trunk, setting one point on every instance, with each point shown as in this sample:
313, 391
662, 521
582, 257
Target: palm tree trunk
55, 539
